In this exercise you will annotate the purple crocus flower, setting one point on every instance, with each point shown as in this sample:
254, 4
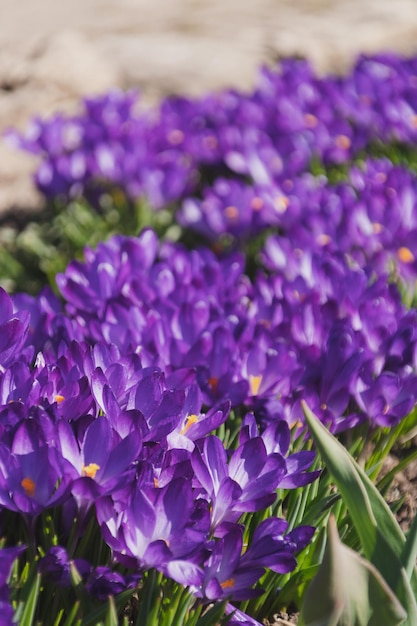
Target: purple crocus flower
194, 424
103, 582
239, 618
33, 481
101, 462
222, 576
389, 399
155, 526
246, 483
273, 547
14, 327
55, 566
231, 572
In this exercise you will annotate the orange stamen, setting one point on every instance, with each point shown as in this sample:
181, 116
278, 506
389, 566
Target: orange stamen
231, 212
310, 120
405, 255
213, 382
343, 142
29, 486
227, 584
257, 203
323, 239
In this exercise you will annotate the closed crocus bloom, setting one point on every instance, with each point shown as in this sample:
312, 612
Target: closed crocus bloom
14, 327
56, 566
389, 398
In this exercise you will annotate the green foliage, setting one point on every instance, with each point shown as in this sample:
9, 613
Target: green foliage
382, 540
351, 591
33, 253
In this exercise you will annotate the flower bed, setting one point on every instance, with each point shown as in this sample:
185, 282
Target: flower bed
156, 465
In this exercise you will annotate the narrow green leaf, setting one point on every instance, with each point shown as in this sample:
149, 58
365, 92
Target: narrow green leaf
30, 603
370, 513
184, 605
111, 615
213, 615
409, 554
382, 539
71, 618
95, 616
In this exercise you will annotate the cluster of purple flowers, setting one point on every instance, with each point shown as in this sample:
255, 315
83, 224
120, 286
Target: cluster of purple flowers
111, 395
319, 327
291, 117
88, 428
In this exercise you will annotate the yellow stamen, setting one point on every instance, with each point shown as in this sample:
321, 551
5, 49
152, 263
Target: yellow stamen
281, 203
29, 486
191, 419
231, 212
405, 255
156, 483
227, 584
377, 228
90, 470
414, 121
343, 142
255, 383
59, 398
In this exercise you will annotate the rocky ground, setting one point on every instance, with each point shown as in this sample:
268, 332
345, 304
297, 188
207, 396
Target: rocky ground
54, 52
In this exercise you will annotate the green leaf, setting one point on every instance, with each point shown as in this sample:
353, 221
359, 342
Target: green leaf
213, 615
351, 590
29, 607
95, 616
72, 617
382, 539
409, 554
111, 615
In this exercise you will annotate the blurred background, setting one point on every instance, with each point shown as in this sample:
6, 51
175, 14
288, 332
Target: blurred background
52, 53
